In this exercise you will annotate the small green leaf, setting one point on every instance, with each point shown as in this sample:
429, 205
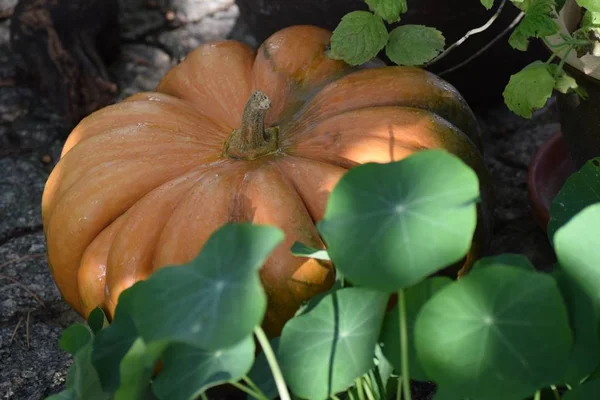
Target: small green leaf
83, 379
74, 338
415, 296
508, 259
580, 190
529, 89
358, 38
576, 244
389, 10
414, 44
564, 82
68, 394
214, 301
538, 22
97, 320
582, 311
302, 250
586, 391
591, 5
136, 370
112, 343
382, 220
324, 350
261, 373
488, 4
189, 371
505, 334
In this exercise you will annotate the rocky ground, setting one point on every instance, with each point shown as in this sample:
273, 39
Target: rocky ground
32, 314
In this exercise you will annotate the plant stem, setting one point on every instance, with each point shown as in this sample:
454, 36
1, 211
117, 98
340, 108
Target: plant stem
399, 389
538, 395
272, 360
404, 345
360, 389
254, 387
555, 391
203, 396
367, 387
245, 389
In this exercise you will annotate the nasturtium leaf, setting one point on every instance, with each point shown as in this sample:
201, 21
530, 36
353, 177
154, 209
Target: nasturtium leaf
582, 313
529, 89
383, 220
488, 4
74, 338
323, 351
415, 297
539, 21
414, 44
112, 343
82, 378
358, 38
508, 259
67, 394
302, 250
97, 320
577, 246
499, 333
591, 5
389, 10
215, 300
586, 391
581, 189
137, 368
261, 373
189, 371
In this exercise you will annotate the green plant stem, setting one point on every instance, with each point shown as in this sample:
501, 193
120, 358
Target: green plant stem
367, 387
561, 64
245, 389
399, 389
253, 386
360, 389
334, 397
203, 396
538, 395
555, 391
405, 375
272, 360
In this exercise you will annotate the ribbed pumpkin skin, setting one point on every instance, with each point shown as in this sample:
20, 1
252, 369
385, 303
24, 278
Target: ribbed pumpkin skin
142, 184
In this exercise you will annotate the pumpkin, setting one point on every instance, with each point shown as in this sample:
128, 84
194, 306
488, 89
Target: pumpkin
233, 135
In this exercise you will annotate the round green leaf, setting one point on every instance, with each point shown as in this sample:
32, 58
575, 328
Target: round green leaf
214, 301
414, 44
324, 350
97, 320
415, 297
577, 245
383, 220
358, 38
587, 391
508, 259
529, 89
74, 338
189, 371
581, 189
137, 368
498, 333
582, 311
592, 5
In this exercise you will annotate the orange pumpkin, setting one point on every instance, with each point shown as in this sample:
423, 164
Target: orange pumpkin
236, 135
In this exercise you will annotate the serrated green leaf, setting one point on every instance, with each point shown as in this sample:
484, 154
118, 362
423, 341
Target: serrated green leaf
581, 189
382, 220
591, 5
74, 338
564, 82
576, 244
582, 313
189, 371
358, 38
414, 44
529, 89
415, 297
538, 22
136, 369
261, 373
214, 301
302, 250
323, 351
488, 4
586, 391
112, 344
505, 334
508, 259
389, 10
97, 320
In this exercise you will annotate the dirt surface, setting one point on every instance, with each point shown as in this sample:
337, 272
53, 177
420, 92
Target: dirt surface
155, 35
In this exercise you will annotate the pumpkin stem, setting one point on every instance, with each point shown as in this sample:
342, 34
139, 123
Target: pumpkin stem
252, 140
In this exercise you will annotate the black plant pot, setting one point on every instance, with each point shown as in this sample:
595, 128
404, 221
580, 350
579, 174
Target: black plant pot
481, 81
